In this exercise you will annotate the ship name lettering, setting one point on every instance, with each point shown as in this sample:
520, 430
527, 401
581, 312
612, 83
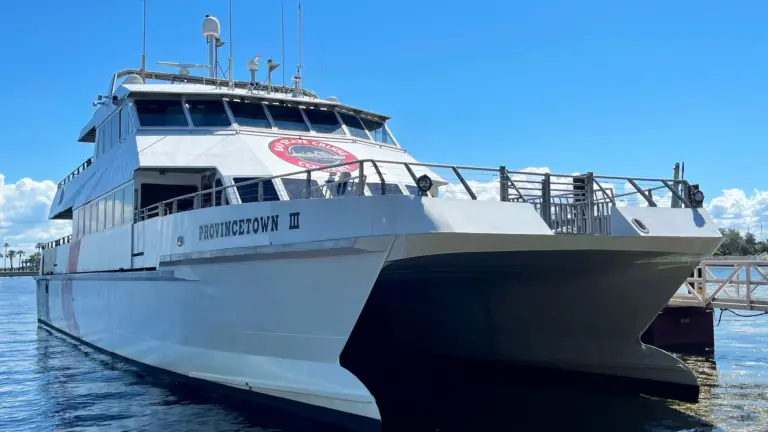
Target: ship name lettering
239, 227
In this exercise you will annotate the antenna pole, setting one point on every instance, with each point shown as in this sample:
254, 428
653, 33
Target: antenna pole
282, 36
231, 49
144, 44
299, 67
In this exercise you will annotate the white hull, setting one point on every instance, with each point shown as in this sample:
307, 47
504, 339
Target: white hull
312, 321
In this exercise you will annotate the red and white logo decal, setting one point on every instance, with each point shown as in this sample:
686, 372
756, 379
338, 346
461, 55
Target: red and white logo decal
308, 153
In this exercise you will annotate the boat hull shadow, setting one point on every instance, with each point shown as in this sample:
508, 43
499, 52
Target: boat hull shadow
448, 324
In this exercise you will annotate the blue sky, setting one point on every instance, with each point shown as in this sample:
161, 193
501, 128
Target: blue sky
611, 87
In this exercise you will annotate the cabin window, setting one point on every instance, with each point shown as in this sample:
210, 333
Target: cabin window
125, 123
413, 190
115, 131
391, 188
110, 210
102, 214
296, 188
288, 118
208, 113
249, 114
378, 131
118, 207
250, 192
82, 220
354, 126
160, 113
76, 225
128, 204
93, 216
324, 121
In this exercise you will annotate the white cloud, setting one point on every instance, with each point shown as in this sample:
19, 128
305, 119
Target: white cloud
24, 214
24, 204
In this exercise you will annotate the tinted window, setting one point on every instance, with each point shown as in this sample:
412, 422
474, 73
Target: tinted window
118, 207
296, 188
249, 114
354, 126
102, 218
115, 136
208, 113
76, 224
378, 131
391, 188
324, 121
413, 190
160, 113
90, 218
288, 118
125, 123
250, 192
128, 204
110, 210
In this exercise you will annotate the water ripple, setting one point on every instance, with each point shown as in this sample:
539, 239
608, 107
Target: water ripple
49, 383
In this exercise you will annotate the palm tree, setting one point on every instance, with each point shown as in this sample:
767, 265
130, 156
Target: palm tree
20, 253
6, 253
11, 255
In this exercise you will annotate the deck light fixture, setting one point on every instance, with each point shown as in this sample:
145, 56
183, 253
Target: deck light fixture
424, 183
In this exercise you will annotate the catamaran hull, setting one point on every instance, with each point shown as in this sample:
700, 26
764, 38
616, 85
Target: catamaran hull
340, 329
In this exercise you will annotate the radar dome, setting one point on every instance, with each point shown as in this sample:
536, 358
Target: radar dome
211, 27
133, 79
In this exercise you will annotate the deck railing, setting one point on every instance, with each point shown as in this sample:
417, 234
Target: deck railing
76, 172
52, 244
570, 204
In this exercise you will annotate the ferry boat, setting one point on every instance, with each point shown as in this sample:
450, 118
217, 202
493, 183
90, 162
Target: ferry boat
271, 242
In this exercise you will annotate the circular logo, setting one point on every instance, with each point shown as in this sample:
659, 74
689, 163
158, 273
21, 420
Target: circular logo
310, 154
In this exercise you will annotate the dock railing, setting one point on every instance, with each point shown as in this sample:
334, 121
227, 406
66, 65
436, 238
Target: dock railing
727, 283
570, 204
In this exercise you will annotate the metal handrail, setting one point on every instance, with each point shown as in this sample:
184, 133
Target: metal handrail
591, 203
59, 242
88, 162
575, 207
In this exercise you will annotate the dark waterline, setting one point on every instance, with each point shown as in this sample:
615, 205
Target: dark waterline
49, 383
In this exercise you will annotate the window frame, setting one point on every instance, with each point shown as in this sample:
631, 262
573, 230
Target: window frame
274, 123
341, 111
161, 96
207, 98
344, 131
271, 121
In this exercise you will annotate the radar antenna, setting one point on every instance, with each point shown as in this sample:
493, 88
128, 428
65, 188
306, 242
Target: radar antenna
183, 67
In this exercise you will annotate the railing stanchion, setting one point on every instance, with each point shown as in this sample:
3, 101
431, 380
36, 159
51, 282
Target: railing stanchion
361, 180
546, 198
503, 184
590, 192
261, 191
308, 189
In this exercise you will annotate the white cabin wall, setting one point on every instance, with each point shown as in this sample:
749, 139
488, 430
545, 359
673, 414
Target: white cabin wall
49, 259
146, 243
57, 259
107, 250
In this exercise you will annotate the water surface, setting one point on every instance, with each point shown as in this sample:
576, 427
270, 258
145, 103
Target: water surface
48, 383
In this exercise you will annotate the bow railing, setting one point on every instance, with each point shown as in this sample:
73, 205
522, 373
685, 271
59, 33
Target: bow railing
569, 204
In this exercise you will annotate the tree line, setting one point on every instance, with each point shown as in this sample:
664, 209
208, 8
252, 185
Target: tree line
735, 243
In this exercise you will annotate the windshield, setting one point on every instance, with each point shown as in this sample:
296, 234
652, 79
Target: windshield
378, 131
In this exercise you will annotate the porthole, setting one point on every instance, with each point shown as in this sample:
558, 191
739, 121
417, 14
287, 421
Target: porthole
640, 225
